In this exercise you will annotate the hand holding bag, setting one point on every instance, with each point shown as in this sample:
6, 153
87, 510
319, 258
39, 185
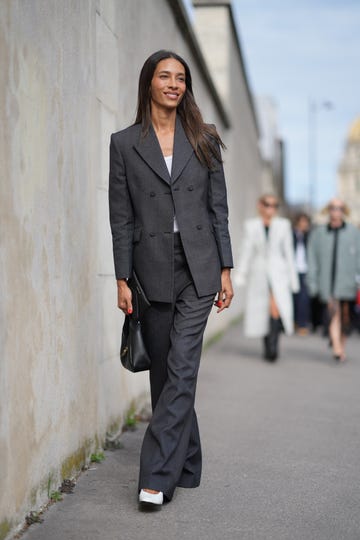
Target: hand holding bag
133, 353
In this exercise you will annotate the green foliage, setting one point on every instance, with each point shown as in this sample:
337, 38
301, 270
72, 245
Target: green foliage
76, 460
56, 496
33, 517
131, 418
5, 527
98, 457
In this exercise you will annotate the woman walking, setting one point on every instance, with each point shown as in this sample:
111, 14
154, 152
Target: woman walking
267, 267
334, 264
301, 299
169, 221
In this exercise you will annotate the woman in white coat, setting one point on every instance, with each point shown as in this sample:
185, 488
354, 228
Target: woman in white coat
267, 268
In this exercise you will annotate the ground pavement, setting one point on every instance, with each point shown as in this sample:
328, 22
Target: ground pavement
281, 449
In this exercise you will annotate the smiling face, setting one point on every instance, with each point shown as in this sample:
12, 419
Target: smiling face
168, 84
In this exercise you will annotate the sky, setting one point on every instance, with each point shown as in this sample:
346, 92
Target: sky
297, 52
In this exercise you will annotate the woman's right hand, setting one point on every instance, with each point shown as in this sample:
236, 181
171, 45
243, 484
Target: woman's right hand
124, 297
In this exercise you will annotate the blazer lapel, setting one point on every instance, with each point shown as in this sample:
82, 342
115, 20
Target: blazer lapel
149, 149
182, 151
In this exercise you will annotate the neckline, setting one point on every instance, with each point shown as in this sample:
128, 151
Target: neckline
342, 226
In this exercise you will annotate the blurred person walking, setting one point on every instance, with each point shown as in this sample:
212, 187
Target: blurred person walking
334, 263
267, 268
169, 221
301, 298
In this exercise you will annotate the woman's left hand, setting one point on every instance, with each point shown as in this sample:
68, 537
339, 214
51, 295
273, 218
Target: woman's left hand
226, 294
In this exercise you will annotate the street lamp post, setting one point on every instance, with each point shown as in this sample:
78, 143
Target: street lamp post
313, 108
312, 153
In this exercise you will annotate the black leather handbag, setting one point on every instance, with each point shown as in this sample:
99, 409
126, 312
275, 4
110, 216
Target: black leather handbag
133, 354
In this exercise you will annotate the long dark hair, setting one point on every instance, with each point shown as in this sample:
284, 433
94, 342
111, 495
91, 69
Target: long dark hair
203, 137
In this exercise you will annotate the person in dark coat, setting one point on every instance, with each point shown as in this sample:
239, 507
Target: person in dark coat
301, 298
169, 222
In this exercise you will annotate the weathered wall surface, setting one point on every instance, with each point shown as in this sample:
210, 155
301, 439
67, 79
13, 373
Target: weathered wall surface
49, 343
243, 162
68, 79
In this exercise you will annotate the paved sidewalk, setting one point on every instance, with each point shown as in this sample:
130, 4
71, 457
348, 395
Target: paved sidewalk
281, 447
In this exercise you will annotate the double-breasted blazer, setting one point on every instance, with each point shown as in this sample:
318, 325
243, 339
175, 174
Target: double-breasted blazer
267, 264
143, 199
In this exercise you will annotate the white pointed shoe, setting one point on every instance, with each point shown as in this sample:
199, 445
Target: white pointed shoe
151, 498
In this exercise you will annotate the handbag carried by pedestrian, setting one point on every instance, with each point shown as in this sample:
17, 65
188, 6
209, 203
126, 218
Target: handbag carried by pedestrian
133, 354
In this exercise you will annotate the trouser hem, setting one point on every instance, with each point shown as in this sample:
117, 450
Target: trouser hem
189, 484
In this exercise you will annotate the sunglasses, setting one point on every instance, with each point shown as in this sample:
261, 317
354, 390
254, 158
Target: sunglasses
334, 208
270, 205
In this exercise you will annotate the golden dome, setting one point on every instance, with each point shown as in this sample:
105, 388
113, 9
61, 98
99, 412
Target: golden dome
354, 131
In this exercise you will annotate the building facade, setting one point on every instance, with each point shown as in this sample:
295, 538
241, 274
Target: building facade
271, 146
349, 173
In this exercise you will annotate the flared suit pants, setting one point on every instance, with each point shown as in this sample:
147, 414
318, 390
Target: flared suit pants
173, 334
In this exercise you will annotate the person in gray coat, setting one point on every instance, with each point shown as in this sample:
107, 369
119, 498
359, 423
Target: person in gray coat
334, 263
169, 222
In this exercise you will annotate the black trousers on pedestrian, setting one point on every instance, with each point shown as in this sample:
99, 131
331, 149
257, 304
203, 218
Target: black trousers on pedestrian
173, 334
302, 304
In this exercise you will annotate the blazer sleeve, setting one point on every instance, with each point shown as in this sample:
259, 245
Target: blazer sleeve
121, 213
219, 213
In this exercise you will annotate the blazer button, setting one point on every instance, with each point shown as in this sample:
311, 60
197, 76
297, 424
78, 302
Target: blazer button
152, 234
152, 194
176, 189
199, 227
191, 188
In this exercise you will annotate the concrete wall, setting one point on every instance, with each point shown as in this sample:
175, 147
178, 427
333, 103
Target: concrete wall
50, 330
243, 162
68, 79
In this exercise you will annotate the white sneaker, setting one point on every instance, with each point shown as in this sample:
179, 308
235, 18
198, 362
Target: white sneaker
151, 498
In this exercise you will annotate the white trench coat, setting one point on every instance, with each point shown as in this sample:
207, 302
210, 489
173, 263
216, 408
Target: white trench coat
264, 265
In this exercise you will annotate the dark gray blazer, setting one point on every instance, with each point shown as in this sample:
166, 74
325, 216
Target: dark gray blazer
143, 199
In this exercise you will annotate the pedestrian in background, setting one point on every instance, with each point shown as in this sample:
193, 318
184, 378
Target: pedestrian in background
334, 263
169, 221
301, 298
267, 268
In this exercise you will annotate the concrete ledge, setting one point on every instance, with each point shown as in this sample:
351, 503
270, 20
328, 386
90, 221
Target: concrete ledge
186, 29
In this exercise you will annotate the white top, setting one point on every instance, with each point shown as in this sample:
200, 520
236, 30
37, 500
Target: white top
168, 161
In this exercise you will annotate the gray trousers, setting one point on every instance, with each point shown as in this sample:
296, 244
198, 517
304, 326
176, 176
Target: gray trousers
173, 334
